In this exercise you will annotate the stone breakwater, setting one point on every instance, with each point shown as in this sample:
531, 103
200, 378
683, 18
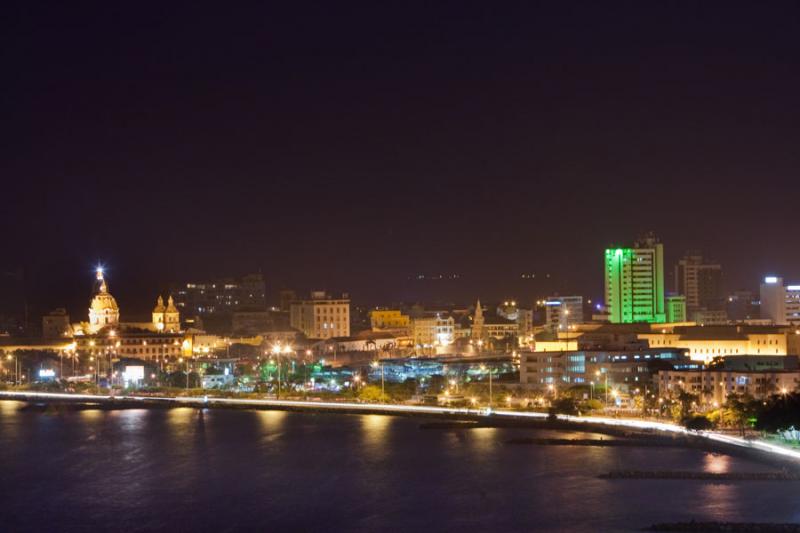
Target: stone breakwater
629, 442
714, 476
727, 527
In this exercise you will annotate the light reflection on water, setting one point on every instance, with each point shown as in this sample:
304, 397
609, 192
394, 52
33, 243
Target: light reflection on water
483, 440
272, 420
717, 463
375, 435
91, 415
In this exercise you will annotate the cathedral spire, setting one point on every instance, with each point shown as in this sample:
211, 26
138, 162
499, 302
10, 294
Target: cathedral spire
477, 321
102, 286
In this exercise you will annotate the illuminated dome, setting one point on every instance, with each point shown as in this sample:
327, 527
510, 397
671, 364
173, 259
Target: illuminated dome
103, 311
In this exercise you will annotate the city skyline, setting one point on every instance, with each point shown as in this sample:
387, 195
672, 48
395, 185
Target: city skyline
458, 140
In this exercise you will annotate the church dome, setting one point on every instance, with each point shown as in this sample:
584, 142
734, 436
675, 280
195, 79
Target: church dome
103, 311
102, 302
159, 306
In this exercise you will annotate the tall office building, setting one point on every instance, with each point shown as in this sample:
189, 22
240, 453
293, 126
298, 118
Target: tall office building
634, 281
780, 303
701, 282
563, 311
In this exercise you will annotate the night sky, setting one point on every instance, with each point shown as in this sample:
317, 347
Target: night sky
352, 146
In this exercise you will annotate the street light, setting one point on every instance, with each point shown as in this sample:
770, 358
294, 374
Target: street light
484, 368
375, 364
16, 369
606, 375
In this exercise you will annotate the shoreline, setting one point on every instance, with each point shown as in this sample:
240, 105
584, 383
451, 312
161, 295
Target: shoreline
449, 419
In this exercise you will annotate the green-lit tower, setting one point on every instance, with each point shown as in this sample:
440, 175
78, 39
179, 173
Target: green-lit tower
635, 282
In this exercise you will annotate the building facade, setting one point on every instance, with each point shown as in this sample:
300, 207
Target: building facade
634, 282
700, 282
166, 317
56, 324
382, 319
622, 370
704, 343
563, 311
676, 308
221, 296
433, 330
321, 316
713, 386
779, 303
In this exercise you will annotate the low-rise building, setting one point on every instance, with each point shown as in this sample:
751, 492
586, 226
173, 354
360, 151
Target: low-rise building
383, 319
706, 342
625, 370
433, 330
713, 386
56, 324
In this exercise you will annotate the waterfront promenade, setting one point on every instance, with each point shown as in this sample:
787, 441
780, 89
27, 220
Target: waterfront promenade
485, 415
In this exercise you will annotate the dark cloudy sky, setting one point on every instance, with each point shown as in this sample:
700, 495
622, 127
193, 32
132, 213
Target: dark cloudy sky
350, 146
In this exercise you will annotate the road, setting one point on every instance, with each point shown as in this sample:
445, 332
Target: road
206, 402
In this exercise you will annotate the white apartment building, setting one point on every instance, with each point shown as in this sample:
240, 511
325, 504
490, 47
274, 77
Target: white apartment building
779, 303
433, 330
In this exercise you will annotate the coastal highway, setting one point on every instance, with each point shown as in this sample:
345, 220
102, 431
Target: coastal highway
207, 402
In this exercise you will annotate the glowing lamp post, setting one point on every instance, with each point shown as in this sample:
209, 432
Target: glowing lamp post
484, 368
606, 375
375, 364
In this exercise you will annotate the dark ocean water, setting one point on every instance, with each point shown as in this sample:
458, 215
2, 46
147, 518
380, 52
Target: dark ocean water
191, 470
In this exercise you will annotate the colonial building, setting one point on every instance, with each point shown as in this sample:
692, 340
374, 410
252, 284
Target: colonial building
707, 342
105, 337
433, 330
493, 326
383, 319
166, 318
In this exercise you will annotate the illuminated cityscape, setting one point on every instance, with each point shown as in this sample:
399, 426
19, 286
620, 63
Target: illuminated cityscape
394, 268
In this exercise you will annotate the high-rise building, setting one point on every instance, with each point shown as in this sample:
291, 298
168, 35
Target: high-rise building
742, 305
221, 296
563, 311
676, 308
701, 282
780, 303
634, 282
321, 316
